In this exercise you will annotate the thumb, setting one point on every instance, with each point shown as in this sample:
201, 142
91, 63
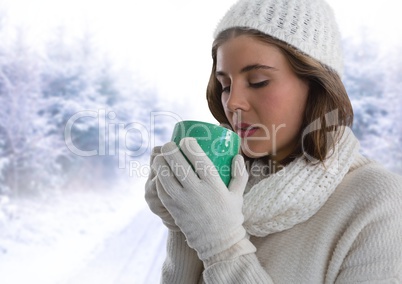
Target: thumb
239, 179
155, 151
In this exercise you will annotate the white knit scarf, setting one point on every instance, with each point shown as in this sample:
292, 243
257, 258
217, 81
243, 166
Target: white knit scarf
296, 192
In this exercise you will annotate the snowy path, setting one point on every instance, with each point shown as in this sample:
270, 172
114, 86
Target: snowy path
132, 256
82, 238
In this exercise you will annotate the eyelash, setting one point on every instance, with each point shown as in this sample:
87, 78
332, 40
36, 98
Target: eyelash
226, 89
252, 85
259, 84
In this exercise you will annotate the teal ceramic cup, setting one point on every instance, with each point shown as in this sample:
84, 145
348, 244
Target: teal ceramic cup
219, 144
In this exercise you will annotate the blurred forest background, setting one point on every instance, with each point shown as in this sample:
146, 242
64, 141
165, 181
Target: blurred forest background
69, 81
67, 90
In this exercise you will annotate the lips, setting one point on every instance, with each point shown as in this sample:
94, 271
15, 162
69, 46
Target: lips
245, 129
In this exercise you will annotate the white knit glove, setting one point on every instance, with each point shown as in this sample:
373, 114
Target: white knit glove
207, 212
151, 195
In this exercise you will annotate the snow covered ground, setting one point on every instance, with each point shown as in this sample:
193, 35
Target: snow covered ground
132, 256
81, 237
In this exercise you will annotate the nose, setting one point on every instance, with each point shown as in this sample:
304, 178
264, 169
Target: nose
236, 100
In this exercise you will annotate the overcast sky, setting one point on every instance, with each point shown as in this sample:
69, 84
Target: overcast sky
169, 41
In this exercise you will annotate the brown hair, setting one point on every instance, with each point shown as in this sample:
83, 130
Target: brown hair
327, 95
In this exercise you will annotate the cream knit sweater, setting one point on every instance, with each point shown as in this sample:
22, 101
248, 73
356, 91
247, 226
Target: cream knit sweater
356, 237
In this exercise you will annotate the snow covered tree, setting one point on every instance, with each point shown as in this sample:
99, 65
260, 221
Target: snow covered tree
22, 131
109, 108
363, 81
71, 82
370, 86
393, 88
68, 116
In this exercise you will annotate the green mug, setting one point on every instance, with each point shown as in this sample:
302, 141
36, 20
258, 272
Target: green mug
219, 143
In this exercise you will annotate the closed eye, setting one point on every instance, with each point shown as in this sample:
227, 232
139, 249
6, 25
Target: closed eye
259, 84
226, 89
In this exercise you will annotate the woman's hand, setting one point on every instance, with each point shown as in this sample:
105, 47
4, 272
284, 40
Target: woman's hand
151, 195
207, 212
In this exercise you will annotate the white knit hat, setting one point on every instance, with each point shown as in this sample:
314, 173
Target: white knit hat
308, 25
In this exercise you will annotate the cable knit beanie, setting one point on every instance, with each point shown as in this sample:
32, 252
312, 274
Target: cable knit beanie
308, 25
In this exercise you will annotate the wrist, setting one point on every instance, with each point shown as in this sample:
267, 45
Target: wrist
244, 246
208, 246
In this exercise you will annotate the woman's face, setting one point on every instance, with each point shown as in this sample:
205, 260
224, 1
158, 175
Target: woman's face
263, 98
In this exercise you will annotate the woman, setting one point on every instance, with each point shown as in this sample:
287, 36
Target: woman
311, 209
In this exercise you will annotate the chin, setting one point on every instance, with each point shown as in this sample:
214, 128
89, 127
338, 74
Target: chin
254, 153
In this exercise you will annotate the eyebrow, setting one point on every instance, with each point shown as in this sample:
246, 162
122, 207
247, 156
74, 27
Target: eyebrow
248, 68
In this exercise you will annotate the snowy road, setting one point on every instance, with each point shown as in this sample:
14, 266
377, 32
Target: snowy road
132, 256
82, 238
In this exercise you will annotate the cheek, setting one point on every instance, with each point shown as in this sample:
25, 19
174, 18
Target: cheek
224, 99
299, 105
292, 101
270, 107
283, 110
